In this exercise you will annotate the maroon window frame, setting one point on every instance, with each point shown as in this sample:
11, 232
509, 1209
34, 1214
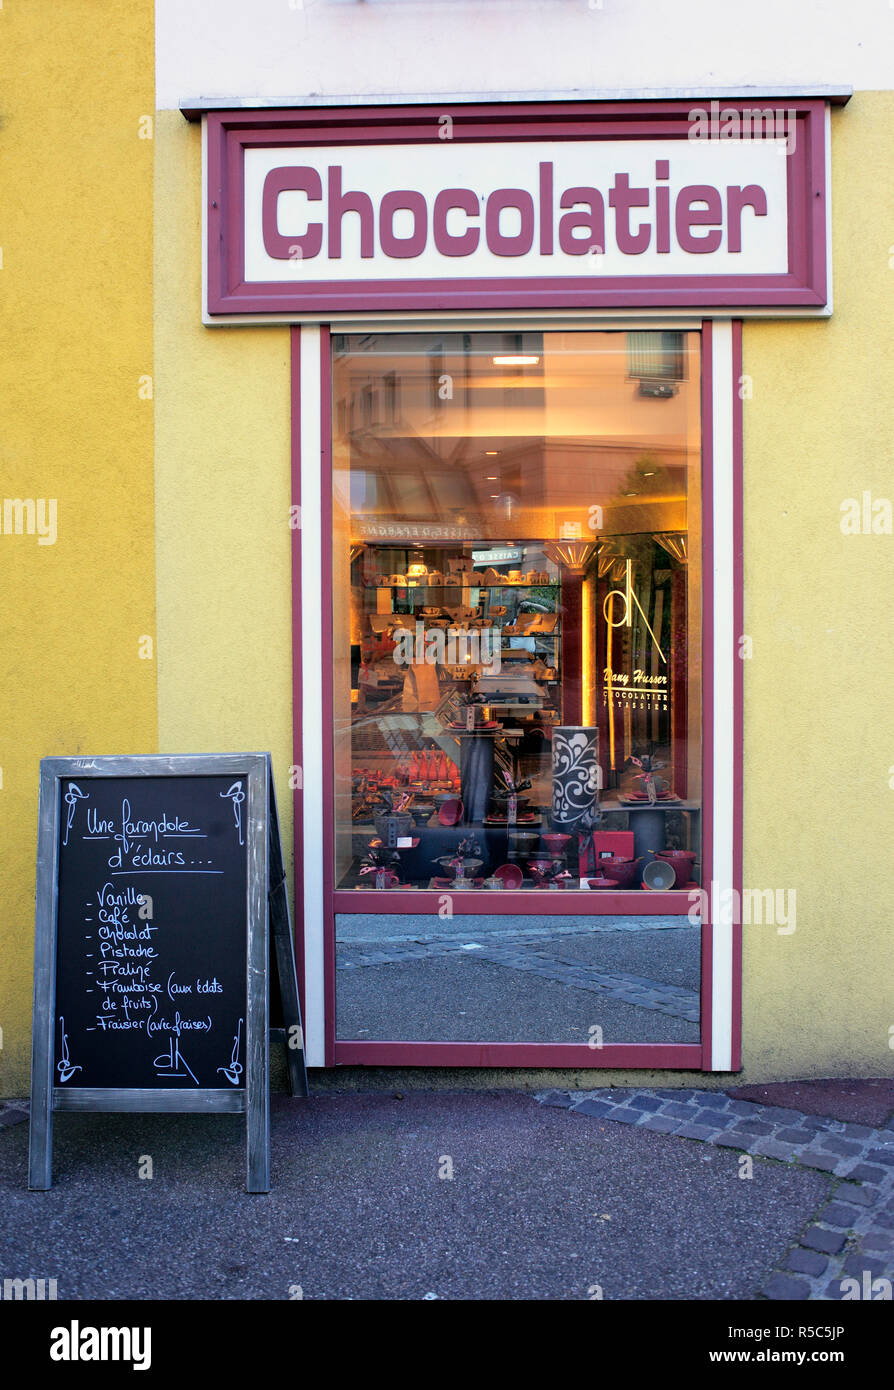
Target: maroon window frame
673, 1056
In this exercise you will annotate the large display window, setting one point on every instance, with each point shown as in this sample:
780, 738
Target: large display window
517, 611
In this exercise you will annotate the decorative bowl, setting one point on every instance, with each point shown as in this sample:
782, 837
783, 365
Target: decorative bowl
603, 883
659, 875
681, 861
451, 811
625, 871
403, 823
466, 869
662, 785
510, 874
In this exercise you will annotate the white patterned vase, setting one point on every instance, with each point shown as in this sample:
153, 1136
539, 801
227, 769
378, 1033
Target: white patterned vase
575, 774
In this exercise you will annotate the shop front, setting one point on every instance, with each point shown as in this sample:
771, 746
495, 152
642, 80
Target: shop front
517, 541
461, 430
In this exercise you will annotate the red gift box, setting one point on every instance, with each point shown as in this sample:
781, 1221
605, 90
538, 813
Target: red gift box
608, 844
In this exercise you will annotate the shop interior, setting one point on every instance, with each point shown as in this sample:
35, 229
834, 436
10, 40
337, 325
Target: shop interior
517, 618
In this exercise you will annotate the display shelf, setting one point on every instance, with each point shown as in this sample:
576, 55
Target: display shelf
613, 804
415, 588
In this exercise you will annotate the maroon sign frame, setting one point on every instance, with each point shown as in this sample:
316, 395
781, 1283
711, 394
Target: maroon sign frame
230, 133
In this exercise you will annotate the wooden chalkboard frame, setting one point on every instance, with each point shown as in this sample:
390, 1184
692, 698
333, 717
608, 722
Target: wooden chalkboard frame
266, 906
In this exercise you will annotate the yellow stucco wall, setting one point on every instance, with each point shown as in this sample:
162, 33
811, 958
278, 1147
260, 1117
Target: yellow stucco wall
76, 317
223, 470
819, 749
211, 544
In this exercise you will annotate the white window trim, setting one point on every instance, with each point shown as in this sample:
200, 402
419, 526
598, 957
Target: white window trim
724, 641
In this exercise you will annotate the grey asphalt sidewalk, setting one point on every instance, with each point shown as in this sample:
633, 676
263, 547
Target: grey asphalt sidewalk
541, 1204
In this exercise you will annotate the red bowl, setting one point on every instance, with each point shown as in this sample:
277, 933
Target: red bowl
511, 875
625, 871
556, 843
681, 861
603, 883
451, 812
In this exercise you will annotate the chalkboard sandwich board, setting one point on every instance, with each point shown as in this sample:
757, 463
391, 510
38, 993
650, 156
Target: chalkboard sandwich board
158, 881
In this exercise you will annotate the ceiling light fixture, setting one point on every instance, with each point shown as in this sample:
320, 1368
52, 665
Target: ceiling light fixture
675, 543
571, 555
515, 360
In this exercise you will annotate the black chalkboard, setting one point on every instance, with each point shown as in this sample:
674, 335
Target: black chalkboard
158, 881
150, 958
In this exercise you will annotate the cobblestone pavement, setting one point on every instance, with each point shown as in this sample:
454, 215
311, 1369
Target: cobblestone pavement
518, 952
851, 1237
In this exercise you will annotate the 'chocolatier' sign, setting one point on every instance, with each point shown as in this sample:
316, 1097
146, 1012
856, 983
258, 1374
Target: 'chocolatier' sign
583, 205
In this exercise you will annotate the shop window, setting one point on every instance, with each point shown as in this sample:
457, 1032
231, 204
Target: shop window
517, 613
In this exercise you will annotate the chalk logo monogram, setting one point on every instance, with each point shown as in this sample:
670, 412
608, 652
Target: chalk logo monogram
169, 1063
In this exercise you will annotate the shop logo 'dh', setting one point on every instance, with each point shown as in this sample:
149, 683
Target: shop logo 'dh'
629, 598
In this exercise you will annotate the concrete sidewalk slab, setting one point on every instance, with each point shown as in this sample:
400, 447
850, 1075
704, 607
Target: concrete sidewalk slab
869, 1102
537, 1208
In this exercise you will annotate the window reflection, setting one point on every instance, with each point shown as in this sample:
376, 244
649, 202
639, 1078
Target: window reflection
516, 594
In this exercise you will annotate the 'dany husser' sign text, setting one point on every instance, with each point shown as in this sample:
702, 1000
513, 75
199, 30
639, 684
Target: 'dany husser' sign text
581, 205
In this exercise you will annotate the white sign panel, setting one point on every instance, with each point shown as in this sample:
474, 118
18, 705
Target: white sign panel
513, 211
